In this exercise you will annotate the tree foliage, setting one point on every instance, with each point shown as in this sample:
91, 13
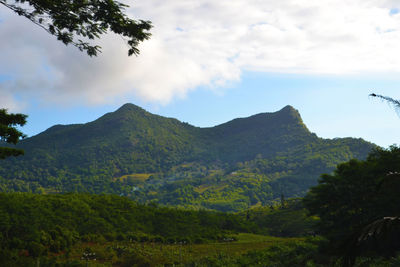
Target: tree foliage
43, 224
9, 133
290, 220
353, 203
78, 22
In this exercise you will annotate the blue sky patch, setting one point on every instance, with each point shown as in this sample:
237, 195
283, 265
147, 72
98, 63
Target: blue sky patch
394, 11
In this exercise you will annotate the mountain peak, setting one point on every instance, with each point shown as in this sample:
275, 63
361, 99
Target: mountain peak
129, 107
290, 113
284, 116
288, 108
124, 113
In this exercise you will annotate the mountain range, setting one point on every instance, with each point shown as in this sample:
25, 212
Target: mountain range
244, 162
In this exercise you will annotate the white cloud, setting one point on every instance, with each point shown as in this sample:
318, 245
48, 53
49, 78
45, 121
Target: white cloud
8, 102
202, 42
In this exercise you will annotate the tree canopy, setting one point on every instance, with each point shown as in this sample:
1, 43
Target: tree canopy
9, 133
77, 22
355, 199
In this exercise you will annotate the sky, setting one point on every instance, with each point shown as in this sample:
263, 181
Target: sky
208, 62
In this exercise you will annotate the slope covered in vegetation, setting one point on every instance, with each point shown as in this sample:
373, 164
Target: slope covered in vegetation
245, 162
34, 226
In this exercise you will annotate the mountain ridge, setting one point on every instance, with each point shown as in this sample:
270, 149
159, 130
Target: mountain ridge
105, 156
129, 107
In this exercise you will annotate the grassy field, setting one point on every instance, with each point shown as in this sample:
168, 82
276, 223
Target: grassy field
157, 254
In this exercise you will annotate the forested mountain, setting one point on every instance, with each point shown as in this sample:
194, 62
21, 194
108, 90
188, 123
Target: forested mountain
246, 161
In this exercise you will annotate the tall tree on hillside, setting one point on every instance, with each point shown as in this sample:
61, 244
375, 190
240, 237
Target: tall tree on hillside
77, 22
358, 206
9, 133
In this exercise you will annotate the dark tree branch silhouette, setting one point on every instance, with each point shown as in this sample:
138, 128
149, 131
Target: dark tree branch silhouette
77, 22
392, 102
381, 237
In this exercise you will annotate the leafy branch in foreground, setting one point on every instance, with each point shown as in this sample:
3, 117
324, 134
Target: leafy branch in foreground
70, 20
9, 134
392, 102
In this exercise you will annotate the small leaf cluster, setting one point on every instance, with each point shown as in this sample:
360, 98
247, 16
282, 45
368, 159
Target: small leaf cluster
9, 133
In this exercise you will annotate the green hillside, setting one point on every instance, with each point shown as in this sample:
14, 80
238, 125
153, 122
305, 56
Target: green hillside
244, 162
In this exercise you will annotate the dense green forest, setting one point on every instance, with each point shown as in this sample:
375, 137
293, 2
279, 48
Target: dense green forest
107, 230
349, 219
34, 226
239, 164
